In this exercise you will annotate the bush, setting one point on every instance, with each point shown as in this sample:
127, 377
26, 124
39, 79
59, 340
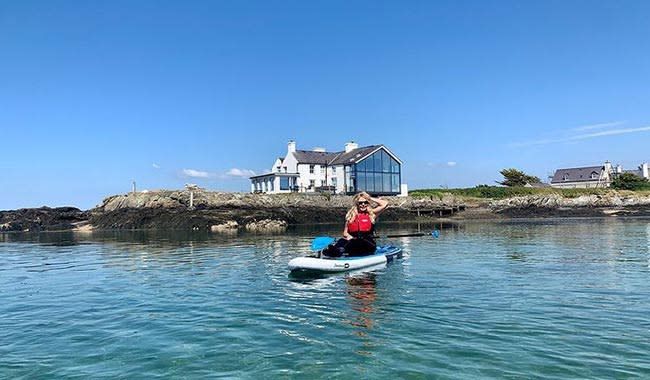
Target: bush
516, 178
499, 192
630, 181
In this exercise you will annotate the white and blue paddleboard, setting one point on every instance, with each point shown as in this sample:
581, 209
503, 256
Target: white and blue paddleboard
325, 264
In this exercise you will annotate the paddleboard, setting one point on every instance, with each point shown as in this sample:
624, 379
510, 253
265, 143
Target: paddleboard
382, 255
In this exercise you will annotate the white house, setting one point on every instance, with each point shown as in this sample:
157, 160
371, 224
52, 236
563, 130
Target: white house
593, 176
642, 171
373, 168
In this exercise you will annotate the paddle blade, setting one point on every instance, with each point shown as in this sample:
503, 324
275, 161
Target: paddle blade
321, 242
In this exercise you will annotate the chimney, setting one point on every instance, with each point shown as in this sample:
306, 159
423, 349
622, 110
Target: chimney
291, 146
619, 169
644, 170
350, 146
608, 167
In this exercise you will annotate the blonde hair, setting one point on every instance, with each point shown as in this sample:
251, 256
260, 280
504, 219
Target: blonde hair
353, 211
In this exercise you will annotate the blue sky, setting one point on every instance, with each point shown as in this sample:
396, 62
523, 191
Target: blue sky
95, 95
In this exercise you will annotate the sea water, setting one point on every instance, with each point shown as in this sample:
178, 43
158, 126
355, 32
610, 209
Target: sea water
551, 299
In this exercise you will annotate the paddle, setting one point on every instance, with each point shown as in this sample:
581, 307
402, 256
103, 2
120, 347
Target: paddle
321, 242
434, 233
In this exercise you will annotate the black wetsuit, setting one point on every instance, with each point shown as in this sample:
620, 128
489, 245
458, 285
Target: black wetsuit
362, 244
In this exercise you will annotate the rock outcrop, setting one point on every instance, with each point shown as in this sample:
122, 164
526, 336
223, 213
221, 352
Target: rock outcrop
266, 226
222, 212
230, 212
613, 203
42, 219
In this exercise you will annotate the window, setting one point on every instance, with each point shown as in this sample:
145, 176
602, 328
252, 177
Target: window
361, 181
385, 162
278, 168
311, 169
285, 169
565, 177
334, 181
284, 183
312, 183
322, 169
594, 175
378, 173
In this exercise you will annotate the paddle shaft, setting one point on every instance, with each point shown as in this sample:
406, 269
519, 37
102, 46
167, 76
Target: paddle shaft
403, 235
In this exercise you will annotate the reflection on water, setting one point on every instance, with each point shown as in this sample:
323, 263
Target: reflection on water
362, 294
647, 235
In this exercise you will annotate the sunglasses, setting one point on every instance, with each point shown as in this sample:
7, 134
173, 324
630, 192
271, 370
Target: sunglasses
362, 203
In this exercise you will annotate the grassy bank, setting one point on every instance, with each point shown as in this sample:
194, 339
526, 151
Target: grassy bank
498, 192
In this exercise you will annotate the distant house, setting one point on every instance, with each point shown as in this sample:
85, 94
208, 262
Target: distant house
593, 176
373, 168
642, 171
538, 185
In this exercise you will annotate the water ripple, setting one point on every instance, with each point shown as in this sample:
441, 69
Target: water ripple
486, 301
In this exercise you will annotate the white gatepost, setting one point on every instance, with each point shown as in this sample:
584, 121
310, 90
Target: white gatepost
404, 190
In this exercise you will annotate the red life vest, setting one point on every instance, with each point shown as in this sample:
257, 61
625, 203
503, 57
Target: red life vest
361, 223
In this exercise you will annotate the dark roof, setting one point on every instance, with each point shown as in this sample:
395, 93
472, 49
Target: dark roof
576, 174
539, 185
353, 156
334, 158
314, 157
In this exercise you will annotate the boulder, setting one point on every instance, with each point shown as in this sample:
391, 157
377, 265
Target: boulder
229, 226
266, 226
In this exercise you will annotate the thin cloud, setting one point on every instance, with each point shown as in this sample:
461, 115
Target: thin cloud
243, 173
573, 139
610, 132
229, 175
195, 173
155, 166
598, 126
449, 164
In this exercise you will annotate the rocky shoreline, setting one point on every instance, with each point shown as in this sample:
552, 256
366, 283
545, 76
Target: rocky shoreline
228, 212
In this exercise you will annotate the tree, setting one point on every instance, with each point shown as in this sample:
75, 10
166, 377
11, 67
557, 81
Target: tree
630, 181
513, 177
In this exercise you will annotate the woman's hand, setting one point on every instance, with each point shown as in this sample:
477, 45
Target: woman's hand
381, 205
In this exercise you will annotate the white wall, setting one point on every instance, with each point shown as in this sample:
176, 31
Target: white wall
291, 163
278, 162
306, 176
338, 173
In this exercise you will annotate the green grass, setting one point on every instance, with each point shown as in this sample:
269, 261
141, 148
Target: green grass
498, 192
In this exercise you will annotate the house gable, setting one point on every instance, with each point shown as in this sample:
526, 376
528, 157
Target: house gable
290, 163
277, 165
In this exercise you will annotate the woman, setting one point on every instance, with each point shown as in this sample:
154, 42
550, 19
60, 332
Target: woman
360, 220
